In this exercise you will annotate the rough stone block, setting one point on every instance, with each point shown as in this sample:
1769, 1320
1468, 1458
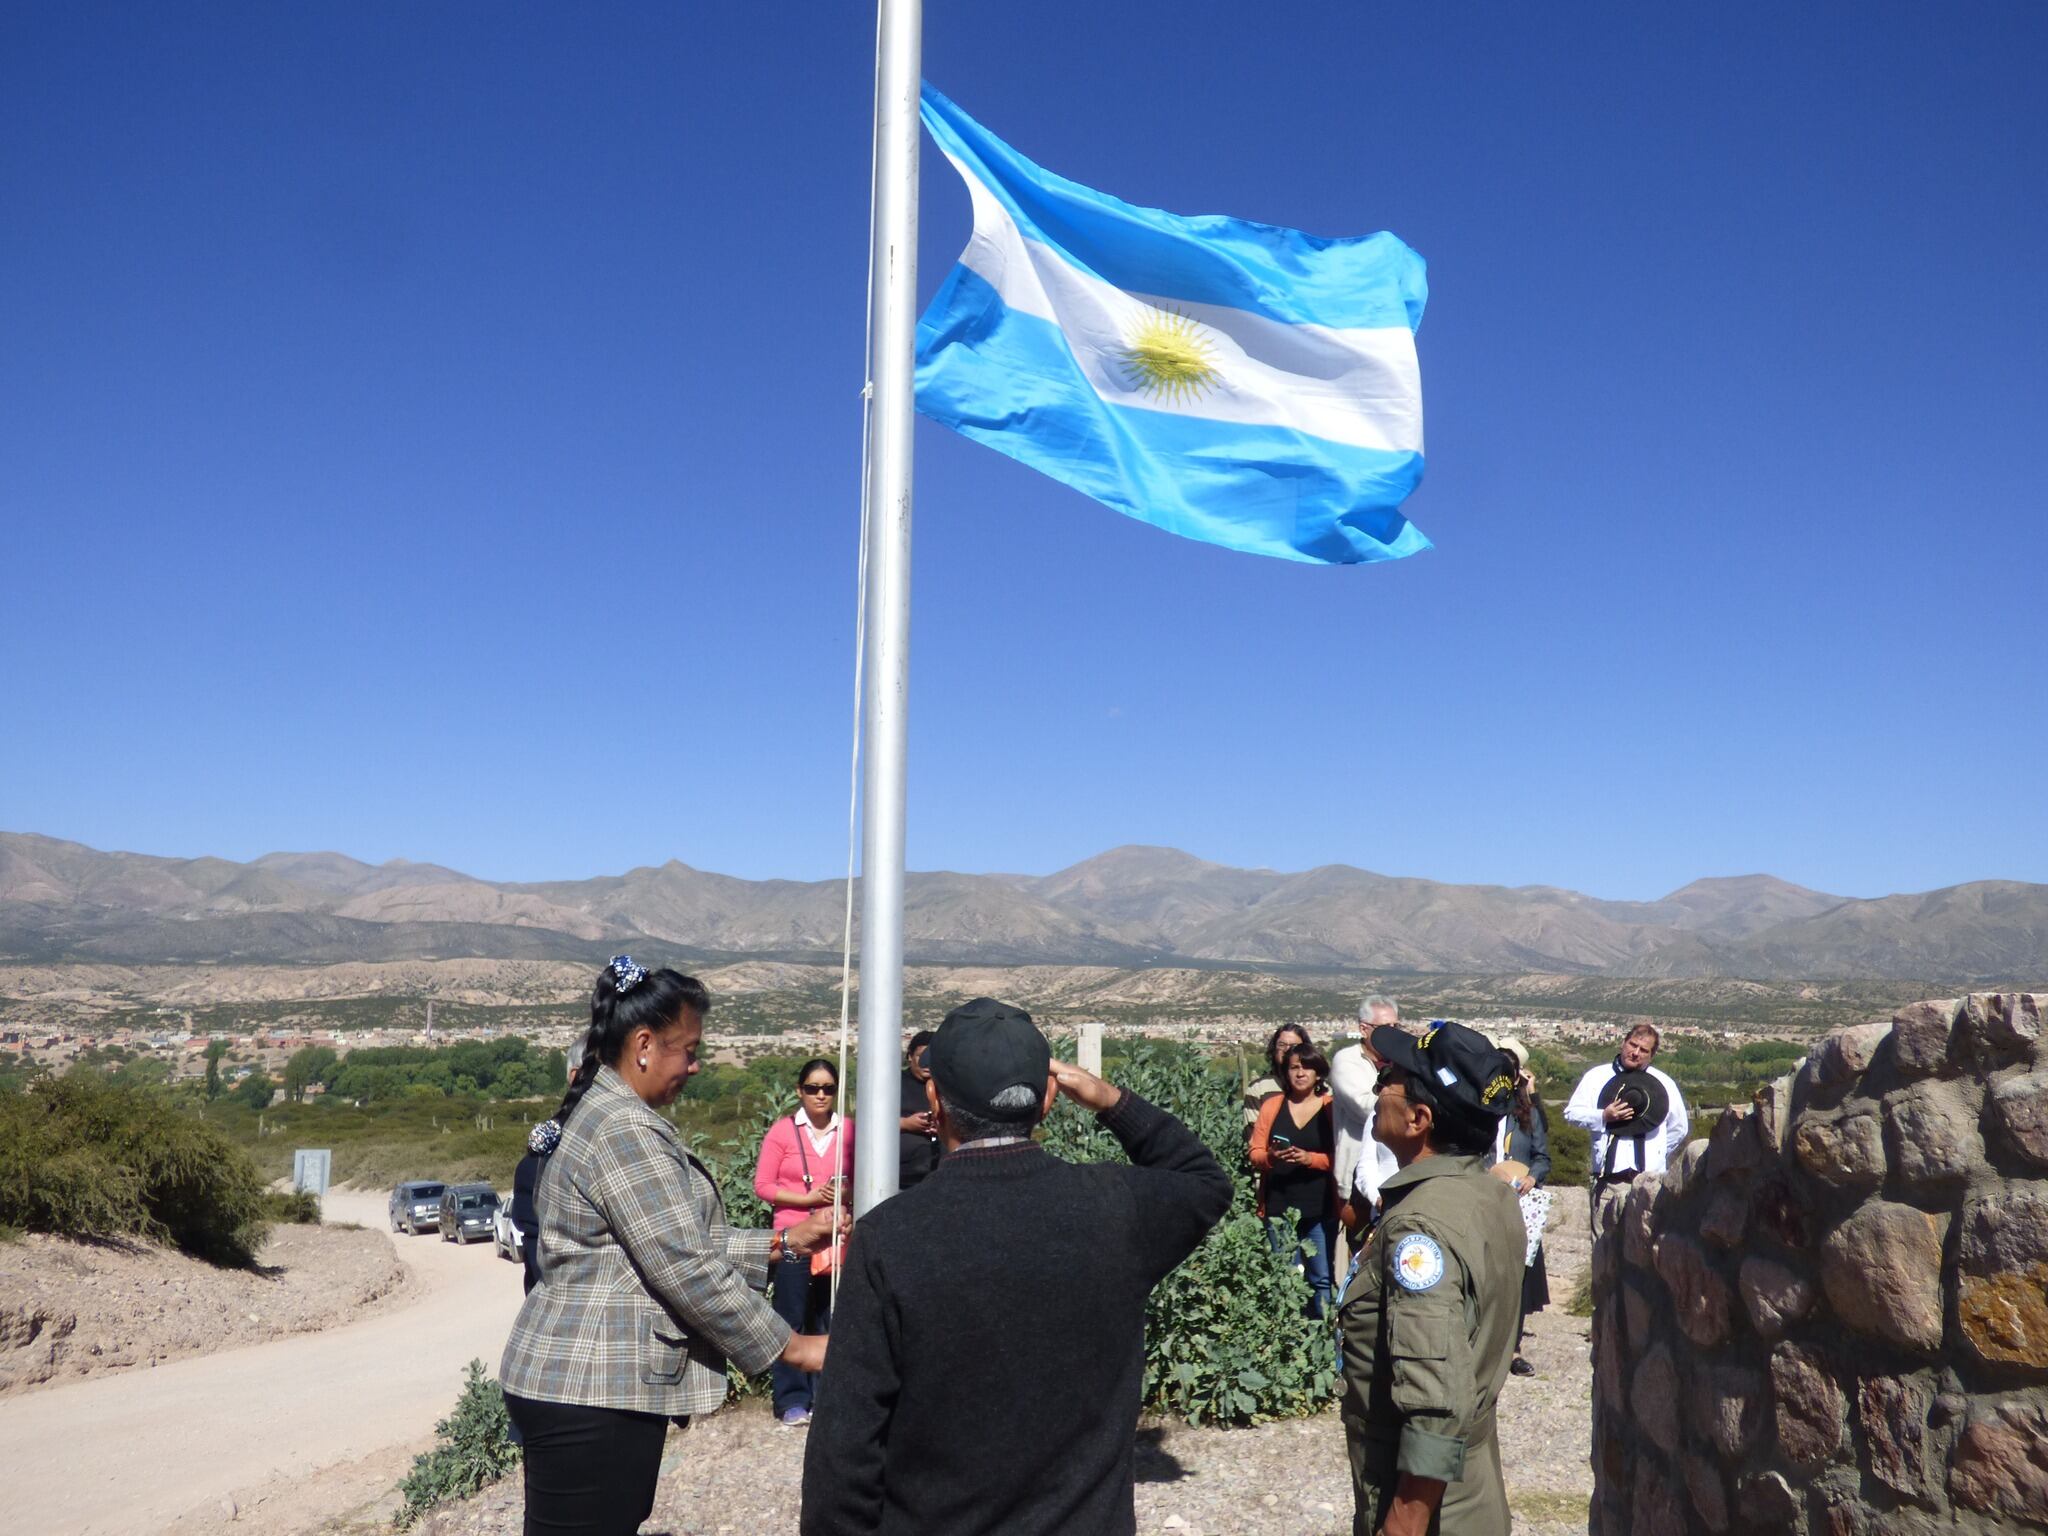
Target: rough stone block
1610, 1366
1700, 1298
1639, 1219
1881, 1269
1708, 1492
1782, 1216
1985, 1039
2001, 1297
1685, 1169
1653, 1398
1920, 1036
2000, 1463
1774, 1293
1768, 1502
1846, 1151
1655, 1506
1638, 1312
2019, 1105
2015, 1023
1932, 1131
1728, 1401
1808, 1406
1773, 1108
1733, 1147
2005, 1230
2003, 1317
1892, 1413
1846, 1055
1726, 1218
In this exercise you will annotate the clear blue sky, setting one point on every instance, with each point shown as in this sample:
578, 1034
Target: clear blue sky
432, 431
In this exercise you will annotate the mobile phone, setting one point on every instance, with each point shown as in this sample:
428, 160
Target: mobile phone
1277, 1139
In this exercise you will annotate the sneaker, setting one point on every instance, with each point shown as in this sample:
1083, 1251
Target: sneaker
795, 1418
1520, 1367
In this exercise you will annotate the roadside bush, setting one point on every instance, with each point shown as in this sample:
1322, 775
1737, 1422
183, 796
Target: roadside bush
294, 1207
1225, 1339
83, 1157
472, 1449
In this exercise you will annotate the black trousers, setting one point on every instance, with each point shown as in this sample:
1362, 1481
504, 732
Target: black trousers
589, 1471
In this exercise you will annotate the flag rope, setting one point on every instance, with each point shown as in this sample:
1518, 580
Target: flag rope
860, 636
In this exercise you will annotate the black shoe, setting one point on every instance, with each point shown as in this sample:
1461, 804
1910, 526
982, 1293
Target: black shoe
1521, 1367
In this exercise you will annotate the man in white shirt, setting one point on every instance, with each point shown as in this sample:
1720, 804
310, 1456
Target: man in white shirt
1608, 1108
1361, 1164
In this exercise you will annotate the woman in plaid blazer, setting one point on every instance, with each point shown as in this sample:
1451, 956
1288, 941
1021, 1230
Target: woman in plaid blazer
645, 1292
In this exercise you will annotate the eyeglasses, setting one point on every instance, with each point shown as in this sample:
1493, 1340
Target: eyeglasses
1386, 1081
818, 1087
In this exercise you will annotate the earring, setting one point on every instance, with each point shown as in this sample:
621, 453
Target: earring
643, 1063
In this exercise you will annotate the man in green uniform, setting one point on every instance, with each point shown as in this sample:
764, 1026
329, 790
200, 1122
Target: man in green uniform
1429, 1318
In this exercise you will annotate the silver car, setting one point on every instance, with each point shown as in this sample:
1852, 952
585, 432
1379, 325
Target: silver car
416, 1206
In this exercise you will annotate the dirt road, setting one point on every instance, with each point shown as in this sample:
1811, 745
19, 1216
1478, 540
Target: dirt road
129, 1453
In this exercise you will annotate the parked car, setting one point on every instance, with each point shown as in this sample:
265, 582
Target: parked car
416, 1205
467, 1211
505, 1233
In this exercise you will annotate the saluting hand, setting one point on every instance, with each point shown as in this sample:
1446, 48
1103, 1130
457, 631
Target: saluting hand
1085, 1088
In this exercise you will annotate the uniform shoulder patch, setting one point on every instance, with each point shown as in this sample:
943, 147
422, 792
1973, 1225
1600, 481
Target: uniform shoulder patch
1418, 1262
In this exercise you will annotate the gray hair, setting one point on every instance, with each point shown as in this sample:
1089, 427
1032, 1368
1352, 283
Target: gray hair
975, 1125
1377, 1000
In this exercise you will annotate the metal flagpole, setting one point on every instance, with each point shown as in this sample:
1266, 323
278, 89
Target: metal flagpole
892, 300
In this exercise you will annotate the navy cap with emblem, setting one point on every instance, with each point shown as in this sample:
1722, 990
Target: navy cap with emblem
1466, 1072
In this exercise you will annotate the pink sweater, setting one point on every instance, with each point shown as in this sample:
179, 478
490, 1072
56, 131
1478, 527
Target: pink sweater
783, 1151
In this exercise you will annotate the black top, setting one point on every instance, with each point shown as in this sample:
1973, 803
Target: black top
988, 1349
917, 1154
1289, 1187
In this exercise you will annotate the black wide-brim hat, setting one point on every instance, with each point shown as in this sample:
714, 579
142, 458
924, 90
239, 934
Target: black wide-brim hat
1644, 1092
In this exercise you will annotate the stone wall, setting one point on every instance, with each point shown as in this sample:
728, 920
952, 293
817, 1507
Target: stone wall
1831, 1315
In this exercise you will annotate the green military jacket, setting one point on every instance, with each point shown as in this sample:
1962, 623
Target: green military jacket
1428, 1327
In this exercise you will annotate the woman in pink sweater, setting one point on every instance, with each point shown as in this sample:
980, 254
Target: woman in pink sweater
800, 1170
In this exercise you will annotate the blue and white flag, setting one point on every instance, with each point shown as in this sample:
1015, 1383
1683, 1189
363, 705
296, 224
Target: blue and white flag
1232, 382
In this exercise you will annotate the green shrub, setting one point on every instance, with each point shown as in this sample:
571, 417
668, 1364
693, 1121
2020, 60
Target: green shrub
472, 1449
1225, 1338
296, 1207
84, 1157
1580, 1302
1571, 1151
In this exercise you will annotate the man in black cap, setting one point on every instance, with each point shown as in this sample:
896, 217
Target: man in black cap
989, 1343
1430, 1314
1637, 1118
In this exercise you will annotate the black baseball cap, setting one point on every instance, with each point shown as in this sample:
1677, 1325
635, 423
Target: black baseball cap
985, 1047
1468, 1074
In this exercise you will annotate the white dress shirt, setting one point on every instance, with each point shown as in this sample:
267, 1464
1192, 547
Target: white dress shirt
1361, 1163
1584, 1111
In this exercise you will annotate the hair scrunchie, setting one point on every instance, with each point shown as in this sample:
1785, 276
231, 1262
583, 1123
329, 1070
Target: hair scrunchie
627, 973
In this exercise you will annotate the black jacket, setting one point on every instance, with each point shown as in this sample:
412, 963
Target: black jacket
988, 1347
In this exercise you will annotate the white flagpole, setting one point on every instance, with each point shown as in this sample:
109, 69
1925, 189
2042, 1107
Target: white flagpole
892, 299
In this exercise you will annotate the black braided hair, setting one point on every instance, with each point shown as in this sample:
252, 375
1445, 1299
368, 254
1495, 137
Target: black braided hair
652, 1000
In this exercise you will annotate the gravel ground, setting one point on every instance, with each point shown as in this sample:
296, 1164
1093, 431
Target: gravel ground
70, 1310
737, 1473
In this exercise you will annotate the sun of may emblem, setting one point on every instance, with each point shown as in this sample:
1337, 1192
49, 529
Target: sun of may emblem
1168, 356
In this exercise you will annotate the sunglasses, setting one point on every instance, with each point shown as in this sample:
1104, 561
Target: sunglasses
819, 1087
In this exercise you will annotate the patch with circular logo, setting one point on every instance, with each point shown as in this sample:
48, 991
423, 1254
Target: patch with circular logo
1418, 1262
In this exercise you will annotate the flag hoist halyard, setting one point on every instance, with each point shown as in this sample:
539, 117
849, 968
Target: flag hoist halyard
1238, 383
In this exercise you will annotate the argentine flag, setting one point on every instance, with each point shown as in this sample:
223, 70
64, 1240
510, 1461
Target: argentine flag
1232, 382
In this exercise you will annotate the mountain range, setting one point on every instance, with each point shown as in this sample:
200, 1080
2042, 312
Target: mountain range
1133, 906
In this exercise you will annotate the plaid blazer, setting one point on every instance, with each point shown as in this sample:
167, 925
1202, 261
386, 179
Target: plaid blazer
644, 1291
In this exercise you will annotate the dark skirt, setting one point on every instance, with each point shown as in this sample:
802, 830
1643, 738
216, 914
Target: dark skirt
1535, 1286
